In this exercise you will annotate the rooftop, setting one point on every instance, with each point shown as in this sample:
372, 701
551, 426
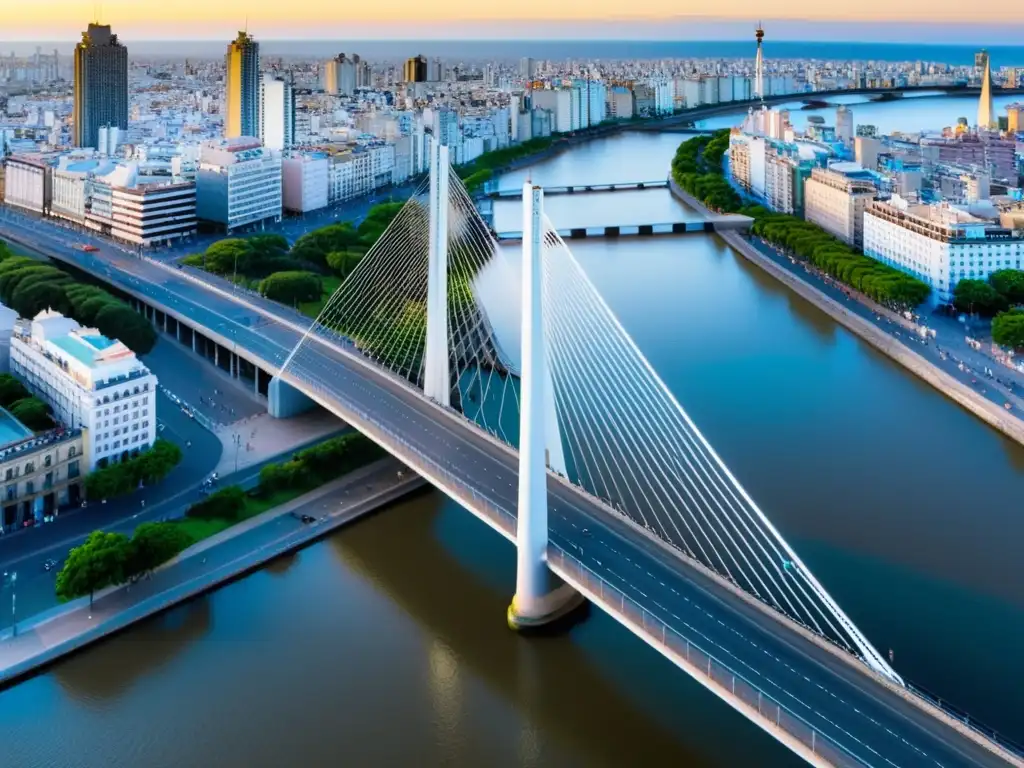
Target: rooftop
11, 430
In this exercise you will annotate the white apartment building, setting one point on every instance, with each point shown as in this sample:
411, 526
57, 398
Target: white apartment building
27, 182
305, 181
836, 202
780, 180
140, 212
620, 103
358, 173
559, 103
939, 244
238, 182
91, 382
663, 96
277, 113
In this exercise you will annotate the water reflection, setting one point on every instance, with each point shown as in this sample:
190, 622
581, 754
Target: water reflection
443, 568
110, 669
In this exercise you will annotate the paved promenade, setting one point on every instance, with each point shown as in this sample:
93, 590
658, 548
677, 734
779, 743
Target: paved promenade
210, 563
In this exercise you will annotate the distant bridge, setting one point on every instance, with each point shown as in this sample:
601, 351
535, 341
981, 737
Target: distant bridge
639, 230
517, 193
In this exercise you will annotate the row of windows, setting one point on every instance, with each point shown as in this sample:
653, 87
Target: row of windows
118, 395
11, 491
30, 466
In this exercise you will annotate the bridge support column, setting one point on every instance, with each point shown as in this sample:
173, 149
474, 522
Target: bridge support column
285, 401
540, 597
436, 375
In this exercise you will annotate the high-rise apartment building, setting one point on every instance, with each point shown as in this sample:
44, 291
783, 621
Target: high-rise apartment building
242, 87
415, 70
277, 113
527, 68
101, 85
340, 75
238, 183
1015, 118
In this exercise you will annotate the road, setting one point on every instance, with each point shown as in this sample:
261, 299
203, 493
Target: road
292, 227
850, 707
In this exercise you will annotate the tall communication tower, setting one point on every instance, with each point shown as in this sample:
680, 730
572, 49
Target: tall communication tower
759, 65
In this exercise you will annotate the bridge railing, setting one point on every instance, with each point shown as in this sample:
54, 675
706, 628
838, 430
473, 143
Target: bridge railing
701, 661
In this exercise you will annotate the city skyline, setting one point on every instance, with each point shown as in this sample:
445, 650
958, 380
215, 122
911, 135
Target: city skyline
655, 20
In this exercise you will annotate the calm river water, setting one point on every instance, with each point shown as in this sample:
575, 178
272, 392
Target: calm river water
386, 645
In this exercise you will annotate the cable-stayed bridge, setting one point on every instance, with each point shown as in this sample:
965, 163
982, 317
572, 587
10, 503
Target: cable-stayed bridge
615, 495
560, 435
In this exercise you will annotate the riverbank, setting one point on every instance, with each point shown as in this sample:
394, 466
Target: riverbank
961, 394
205, 566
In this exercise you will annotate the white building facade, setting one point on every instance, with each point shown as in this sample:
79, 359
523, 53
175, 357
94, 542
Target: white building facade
91, 382
939, 244
304, 182
238, 183
836, 203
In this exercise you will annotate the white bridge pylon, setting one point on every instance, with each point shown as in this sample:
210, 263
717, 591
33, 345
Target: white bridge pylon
585, 402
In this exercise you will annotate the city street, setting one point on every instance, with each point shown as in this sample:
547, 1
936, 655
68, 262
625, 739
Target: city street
291, 226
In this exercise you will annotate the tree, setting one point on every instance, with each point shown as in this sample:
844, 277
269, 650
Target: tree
228, 256
225, 504
119, 321
146, 468
343, 262
376, 221
97, 563
314, 246
268, 246
11, 390
1009, 283
33, 413
153, 544
292, 287
977, 296
1008, 329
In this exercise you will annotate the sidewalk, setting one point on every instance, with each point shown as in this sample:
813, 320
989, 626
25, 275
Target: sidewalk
208, 564
259, 437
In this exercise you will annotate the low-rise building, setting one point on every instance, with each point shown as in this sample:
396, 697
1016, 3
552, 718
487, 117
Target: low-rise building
27, 183
238, 183
41, 473
141, 210
835, 201
305, 181
938, 243
91, 382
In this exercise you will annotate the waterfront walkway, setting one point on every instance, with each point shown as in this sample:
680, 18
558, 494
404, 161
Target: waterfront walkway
49, 636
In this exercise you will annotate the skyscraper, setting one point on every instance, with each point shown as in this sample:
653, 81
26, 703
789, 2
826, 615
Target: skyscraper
759, 65
277, 113
101, 85
340, 75
242, 87
986, 117
416, 70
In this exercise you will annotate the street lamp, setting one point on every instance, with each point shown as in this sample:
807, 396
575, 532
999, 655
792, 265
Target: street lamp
237, 439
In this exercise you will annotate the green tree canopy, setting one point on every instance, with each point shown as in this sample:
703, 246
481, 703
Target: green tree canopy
977, 296
97, 563
33, 413
11, 390
1009, 283
121, 322
314, 246
376, 221
233, 254
1008, 329
153, 544
292, 287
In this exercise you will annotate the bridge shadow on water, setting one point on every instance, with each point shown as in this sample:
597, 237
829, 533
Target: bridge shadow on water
595, 687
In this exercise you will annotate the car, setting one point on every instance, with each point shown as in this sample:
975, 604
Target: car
49, 564
308, 519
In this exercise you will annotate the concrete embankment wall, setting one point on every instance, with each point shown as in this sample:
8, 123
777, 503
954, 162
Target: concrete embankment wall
960, 393
179, 593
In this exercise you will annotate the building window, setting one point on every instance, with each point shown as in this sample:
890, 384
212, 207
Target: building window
72, 469
71, 452
30, 467
30, 487
48, 460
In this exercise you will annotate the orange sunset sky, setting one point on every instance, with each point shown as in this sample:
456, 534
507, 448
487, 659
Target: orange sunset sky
149, 19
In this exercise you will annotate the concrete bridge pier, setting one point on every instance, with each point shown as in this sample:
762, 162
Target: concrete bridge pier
285, 401
540, 597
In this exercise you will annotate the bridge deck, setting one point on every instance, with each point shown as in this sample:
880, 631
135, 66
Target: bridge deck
829, 702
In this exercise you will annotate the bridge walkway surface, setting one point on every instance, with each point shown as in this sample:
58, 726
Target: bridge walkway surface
831, 702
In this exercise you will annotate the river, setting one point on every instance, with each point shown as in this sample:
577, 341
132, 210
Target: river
386, 644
